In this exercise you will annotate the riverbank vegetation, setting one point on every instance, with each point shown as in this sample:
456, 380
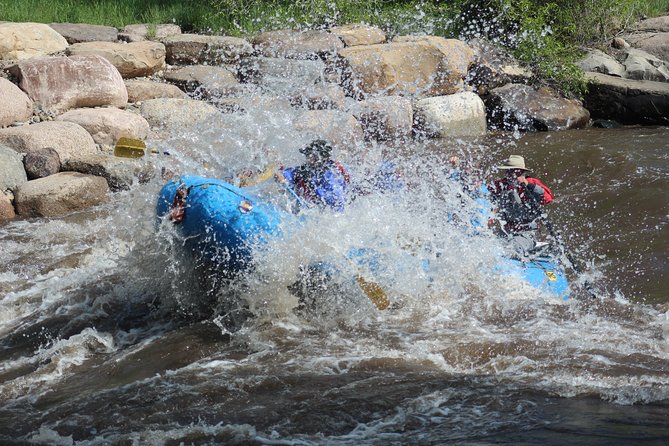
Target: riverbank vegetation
545, 34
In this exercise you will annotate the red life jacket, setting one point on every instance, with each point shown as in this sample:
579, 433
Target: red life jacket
503, 184
548, 194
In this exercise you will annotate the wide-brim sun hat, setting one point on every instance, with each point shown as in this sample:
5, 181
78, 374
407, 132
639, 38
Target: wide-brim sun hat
514, 162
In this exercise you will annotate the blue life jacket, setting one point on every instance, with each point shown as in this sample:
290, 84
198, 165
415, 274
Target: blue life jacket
327, 187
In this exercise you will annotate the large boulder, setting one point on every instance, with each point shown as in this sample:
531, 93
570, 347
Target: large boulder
626, 100
176, 114
384, 117
338, 127
281, 75
107, 125
20, 41
60, 83
654, 24
354, 34
427, 66
600, 62
12, 173
189, 49
67, 138
641, 65
42, 162
120, 173
82, 32
312, 44
456, 115
130, 59
59, 194
142, 89
654, 43
207, 80
6, 208
319, 97
143, 31
16, 105
520, 107
493, 67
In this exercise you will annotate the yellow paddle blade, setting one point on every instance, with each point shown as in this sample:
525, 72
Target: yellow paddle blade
255, 180
374, 291
130, 148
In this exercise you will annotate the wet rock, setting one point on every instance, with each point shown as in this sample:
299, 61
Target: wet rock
522, 108
130, 59
143, 89
312, 44
359, 34
456, 115
12, 173
626, 100
144, 31
81, 32
212, 79
6, 208
59, 194
58, 84
600, 62
493, 67
177, 114
67, 138
340, 128
384, 118
42, 162
120, 173
107, 125
255, 103
19, 41
188, 49
420, 66
16, 105
281, 75
319, 97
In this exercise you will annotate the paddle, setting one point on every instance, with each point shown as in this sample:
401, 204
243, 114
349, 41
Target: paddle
372, 290
132, 148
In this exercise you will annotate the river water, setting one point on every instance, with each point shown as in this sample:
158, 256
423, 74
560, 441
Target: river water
111, 334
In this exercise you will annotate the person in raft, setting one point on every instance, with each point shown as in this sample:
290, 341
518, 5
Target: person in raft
519, 198
320, 180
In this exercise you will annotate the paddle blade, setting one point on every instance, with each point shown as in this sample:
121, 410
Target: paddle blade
374, 292
130, 148
248, 179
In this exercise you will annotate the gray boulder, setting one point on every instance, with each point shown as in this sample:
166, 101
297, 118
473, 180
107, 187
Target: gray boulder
67, 138
12, 173
600, 62
16, 105
520, 107
81, 32
59, 194
627, 101
40, 163
60, 83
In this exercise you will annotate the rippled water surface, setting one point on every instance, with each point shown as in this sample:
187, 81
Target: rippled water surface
111, 334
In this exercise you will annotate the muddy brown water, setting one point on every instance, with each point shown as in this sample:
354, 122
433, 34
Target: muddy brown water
99, 343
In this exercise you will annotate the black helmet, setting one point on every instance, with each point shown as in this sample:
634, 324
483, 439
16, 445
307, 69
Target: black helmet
319, 146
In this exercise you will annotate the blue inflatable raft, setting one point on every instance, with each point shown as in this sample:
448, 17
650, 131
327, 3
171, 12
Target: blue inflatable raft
218, 221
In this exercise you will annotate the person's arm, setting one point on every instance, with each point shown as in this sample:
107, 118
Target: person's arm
533, 188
